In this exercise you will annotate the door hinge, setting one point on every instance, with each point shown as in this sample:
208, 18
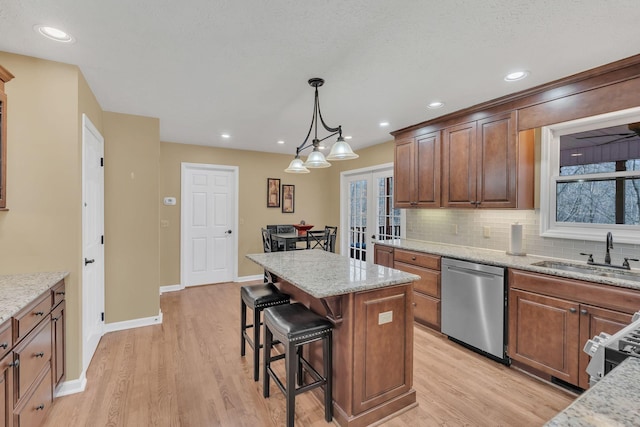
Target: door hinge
102, 316
102, 161
102, 239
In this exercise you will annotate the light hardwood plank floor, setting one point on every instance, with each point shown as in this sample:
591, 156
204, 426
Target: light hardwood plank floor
188, 372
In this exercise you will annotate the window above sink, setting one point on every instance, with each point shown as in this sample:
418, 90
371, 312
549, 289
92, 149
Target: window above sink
590, 178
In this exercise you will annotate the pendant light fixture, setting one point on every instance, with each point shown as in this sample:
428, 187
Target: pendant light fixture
339, 151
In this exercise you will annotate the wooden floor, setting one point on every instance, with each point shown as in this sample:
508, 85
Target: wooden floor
188, 372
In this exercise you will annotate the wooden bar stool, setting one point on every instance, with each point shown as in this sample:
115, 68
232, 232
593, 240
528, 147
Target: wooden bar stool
257, 298
294, 325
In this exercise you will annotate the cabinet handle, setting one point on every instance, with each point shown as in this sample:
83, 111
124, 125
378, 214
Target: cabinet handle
41, 354
414, 304
413, 258
60, 293
54, 319
583, 311
40, 407
4, 345
38, 313
572, 310
14, 364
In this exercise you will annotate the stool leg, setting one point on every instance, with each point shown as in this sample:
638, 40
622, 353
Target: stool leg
328, 373
268, 337
243, 326
300, 373
291, 360
256, 344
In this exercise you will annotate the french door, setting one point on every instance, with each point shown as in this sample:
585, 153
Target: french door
367, 211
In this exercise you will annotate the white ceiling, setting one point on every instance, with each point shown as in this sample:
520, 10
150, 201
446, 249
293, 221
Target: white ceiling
205, 67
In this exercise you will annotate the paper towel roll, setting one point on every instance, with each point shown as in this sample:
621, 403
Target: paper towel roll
515, 240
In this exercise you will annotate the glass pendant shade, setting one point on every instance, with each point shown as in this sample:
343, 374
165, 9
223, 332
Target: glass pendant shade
316, 160
341, 151
296, 166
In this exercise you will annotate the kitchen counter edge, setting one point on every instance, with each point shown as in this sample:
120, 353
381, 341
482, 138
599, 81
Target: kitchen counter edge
18, 290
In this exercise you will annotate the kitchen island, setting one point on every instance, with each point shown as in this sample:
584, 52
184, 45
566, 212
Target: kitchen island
371, 308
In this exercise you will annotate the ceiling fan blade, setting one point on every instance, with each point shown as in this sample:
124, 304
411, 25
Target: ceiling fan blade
633, 135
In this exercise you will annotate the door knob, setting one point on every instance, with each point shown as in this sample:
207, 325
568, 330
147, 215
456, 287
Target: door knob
227, 232
89, 261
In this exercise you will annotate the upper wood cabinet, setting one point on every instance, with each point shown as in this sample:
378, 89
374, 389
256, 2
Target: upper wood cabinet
486, 165
5, 76
417, 171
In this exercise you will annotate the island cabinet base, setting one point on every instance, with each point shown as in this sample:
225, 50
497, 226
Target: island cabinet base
372, 352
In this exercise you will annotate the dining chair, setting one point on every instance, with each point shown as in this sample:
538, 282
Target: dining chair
332, 232
268, 246
317, 239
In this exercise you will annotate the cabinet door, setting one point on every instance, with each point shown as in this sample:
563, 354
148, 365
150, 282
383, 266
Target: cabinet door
404, 174
6, 391
459, 166
544, 334
594, 320
383, 256
497, 162
428, 170
57, 339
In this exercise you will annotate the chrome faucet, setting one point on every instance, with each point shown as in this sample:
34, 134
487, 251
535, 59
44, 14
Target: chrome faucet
609, 244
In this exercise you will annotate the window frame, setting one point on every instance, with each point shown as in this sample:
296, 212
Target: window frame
549, 177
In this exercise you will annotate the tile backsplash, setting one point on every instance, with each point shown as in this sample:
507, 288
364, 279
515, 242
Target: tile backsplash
468, 228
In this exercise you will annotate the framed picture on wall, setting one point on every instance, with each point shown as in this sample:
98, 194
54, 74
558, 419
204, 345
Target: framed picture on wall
288, 198
273, 193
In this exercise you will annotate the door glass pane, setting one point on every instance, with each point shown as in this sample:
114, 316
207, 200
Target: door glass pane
388, 218
358, 219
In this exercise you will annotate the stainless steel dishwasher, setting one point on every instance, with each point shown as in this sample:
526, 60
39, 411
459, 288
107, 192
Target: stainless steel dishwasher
473, 305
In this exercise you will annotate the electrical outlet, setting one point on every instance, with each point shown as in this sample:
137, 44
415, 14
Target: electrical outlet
486, 231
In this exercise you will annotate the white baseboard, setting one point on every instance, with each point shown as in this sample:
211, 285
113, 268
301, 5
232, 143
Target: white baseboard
250, 278
72, 387
170, 288
135, 323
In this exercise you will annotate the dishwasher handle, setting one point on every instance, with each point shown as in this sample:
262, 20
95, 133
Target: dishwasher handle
472, 272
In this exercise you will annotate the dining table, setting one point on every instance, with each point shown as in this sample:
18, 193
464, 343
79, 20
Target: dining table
288, 240
371, 308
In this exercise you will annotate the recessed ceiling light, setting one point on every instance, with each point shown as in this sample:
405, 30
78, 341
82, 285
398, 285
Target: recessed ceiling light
384, 124
435, 104
281, 142
54, 34
515, 76
348, 137
576, 154
225, 135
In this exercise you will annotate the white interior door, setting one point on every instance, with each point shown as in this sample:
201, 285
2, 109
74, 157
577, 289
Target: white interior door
92, 239
208, 227
367, 211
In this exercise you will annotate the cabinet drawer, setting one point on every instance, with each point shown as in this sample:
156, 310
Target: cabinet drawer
417, 258
429, 282
34, 411
33, 353
30, 316
57, 293
427, 310
5, 338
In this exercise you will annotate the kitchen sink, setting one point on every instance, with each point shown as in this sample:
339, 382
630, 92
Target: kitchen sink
590, 269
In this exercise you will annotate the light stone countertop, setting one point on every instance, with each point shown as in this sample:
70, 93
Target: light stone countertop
613, 401
18, 290
502, 259
323, 274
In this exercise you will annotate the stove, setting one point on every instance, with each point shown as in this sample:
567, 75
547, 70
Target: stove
608, 351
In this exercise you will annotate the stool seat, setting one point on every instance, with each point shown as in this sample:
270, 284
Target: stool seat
294, 326
295, 322
262, 296
257, 298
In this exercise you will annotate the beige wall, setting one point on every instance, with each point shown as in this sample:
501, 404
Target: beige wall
40, 230
311, 200
132, 269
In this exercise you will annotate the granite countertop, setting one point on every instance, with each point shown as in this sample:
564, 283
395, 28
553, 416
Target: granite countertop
323, 274
613, 401
18, 290
502, 259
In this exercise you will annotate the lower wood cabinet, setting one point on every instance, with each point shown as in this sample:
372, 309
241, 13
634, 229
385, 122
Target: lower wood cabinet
426, 291
383, 255
32, 359
551, 319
